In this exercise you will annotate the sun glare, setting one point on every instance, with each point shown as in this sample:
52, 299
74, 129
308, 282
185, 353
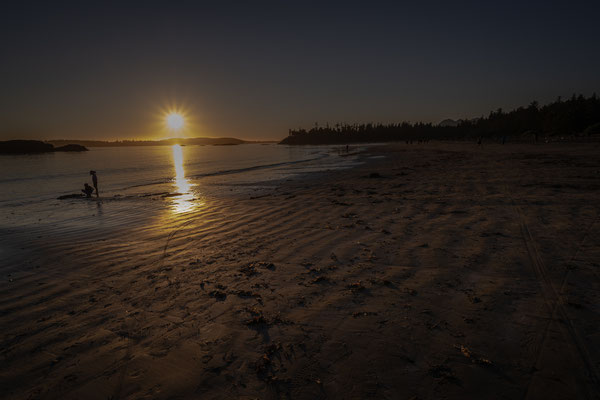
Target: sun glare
175, 121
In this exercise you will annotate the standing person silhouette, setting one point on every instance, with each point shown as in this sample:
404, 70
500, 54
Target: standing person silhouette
95, 182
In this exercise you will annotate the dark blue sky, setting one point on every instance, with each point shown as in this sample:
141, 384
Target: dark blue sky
253, 69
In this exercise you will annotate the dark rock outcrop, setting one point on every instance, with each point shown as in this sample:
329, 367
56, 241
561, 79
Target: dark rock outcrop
25, 147
71, 147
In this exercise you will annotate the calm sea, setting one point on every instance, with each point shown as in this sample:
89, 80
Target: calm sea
135, 180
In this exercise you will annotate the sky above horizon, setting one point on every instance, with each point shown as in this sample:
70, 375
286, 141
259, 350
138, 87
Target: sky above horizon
251, 70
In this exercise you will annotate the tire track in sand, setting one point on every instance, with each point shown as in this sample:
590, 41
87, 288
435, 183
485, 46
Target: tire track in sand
553, 301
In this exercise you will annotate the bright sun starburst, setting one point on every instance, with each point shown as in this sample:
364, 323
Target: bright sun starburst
175, 121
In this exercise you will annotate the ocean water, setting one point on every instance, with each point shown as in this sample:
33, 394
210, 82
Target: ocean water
134, 181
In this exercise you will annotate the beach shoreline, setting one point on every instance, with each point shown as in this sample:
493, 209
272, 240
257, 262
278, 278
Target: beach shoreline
430, 270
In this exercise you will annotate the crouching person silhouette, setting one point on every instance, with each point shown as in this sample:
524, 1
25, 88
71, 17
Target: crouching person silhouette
87, 190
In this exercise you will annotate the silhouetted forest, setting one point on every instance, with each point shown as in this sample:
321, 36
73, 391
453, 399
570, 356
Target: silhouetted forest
577, 116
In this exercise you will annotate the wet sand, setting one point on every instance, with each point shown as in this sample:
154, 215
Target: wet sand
439, 271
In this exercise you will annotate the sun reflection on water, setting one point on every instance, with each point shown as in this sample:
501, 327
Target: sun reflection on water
184, 202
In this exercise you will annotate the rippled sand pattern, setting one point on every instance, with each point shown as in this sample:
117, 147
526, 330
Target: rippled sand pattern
442, 271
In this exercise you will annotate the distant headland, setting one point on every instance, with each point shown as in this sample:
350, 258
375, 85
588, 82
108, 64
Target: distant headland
35, 147
202, 141
49, 146
576, 117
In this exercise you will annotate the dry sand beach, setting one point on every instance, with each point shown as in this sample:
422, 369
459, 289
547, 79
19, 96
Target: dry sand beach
431, 271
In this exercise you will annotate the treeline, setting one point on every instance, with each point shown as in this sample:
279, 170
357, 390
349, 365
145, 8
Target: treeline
577, 116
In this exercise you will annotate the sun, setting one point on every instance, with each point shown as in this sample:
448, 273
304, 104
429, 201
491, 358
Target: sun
175, 121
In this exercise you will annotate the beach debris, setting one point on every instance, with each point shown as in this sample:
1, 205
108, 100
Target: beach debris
217, 294
321, 279
319, 271
278, 319
248, 294
356, 287
472, 356
267, 265
383, 322
257, 317
371, 254
484, 361
443, 372
260, 286
257, 320
339, 203
375, 281
431, 326
249, 270
260, 196
253, 311
265, 361
363, 314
